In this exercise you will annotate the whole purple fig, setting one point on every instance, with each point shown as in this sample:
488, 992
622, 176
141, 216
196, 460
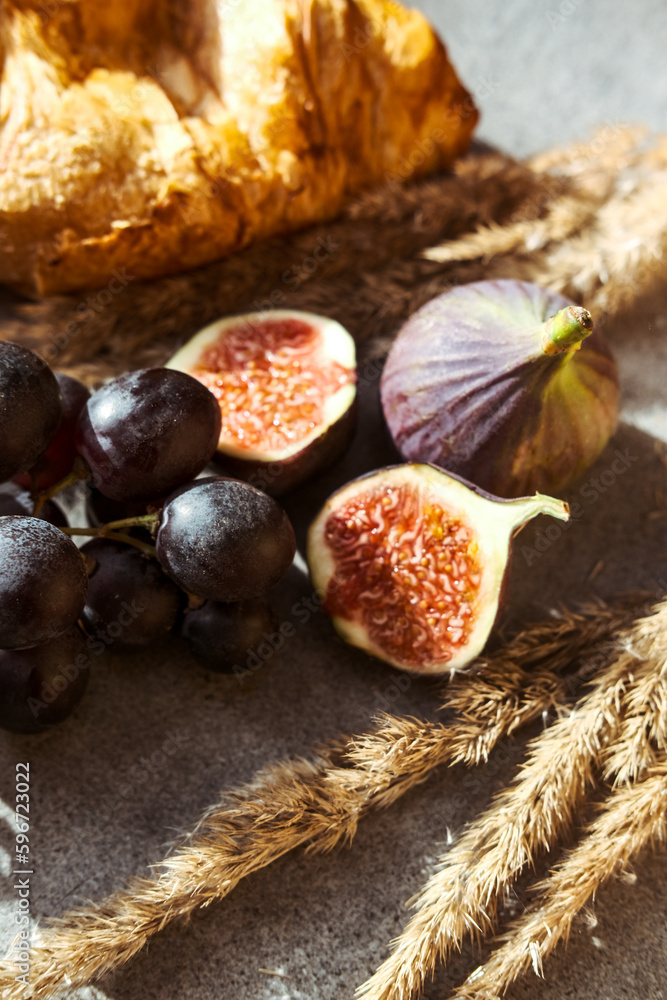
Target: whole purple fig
503, 383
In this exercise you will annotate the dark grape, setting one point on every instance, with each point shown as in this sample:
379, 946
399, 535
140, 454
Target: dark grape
130, 603
225, 540
42, 582
224, 636
30, 408
58, 459
40, 687
147, 432
20, 502
101, 509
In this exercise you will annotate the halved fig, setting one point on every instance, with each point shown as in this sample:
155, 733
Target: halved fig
409, 562
285, 382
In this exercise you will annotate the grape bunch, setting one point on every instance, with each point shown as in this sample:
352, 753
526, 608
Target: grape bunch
169, 551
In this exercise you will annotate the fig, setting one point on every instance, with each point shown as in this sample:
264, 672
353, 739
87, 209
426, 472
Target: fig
409, 562
285, 382
503, 383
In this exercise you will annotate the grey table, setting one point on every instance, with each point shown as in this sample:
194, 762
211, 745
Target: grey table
543, 73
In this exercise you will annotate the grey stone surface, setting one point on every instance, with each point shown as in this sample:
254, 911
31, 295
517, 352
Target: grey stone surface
549, 71
326, 922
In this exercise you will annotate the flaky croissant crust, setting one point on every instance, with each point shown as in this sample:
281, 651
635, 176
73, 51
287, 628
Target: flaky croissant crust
157, 135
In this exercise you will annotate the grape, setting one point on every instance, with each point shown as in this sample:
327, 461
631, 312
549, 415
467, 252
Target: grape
57, 461
223, 636
147, 432
20, 502
224, 540
101, 509
41, 686
130, 601
30, 408
42, 582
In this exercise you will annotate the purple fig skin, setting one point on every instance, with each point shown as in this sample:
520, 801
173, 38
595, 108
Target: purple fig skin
468, 386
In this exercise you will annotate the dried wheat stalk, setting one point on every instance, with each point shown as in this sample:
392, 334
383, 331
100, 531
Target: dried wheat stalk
319, 802
461, 897
598, 233
633, 817
644, 731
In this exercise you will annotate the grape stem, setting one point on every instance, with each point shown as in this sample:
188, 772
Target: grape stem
149, 521
80, 470
110, 531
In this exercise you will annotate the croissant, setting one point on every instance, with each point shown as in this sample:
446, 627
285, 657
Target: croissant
144, 137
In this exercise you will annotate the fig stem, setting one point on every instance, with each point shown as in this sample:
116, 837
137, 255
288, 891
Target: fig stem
524, 509
566, 330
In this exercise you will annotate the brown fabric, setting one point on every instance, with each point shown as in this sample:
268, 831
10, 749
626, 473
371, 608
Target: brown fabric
589, 220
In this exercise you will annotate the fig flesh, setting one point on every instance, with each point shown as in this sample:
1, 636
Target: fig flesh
409, 562
503, 383
285, 382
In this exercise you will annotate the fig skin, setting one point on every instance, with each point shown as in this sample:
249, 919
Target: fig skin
489, 524
280, 473
278, 477
471, 385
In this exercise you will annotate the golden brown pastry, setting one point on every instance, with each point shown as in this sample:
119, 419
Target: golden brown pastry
157, 135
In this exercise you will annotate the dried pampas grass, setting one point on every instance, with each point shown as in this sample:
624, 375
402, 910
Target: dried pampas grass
619, 728
319, 803
631, 818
